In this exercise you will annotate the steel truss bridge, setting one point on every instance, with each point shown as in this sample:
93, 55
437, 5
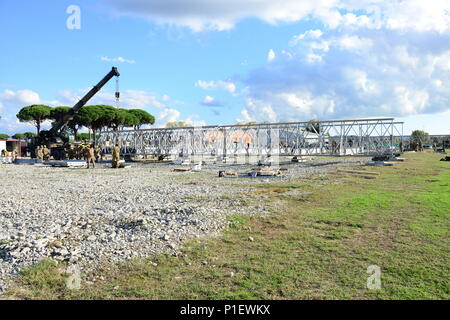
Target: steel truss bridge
339, 137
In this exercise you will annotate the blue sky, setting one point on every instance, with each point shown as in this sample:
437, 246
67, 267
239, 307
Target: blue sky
221, 62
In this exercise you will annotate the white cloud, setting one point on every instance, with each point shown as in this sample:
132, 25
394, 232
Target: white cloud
211, 102
228, 86
200, 15
246, 117
172, 115
271, 55
128, 98
353, 72
194, 123
118, 59
258, 111
347, 42
310, 34
167, 115
25, 97
10, 104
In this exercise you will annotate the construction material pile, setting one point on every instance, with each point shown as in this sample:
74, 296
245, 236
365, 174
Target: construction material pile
265, 171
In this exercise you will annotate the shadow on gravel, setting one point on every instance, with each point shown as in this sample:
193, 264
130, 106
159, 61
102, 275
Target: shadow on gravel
323, 164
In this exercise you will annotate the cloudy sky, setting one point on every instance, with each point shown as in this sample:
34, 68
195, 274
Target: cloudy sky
225, 61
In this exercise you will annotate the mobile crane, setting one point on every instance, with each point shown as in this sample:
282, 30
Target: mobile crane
55, 139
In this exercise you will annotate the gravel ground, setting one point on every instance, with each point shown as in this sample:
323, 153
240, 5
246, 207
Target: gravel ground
92, 217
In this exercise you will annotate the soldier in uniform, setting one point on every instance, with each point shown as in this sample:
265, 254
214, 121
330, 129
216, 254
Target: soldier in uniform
84, 152
98, 153
79, 152
115, 156
39, 153
90, 156
71, 152
46, 153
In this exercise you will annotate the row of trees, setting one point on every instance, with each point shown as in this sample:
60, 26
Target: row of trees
95, 117
176, 124
18, 136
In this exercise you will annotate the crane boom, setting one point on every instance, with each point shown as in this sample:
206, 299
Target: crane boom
71, 113
54, 138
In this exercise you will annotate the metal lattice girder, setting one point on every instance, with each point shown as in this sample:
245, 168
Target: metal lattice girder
339, 137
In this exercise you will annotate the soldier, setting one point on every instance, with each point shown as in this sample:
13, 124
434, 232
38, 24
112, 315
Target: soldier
90, 156
98, 153
115, 156
71, 152
39, 153
79, 152
46, 153
84, 152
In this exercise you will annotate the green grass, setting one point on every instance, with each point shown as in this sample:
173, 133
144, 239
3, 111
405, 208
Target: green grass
316, 244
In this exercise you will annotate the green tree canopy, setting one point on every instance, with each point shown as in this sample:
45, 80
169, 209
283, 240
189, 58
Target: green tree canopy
35, 114
419, 135
176, 124
143, 117
19, 136
106, 115
82, 136
29, 134
87, 115
95, 117
246, 123
418, 138
4, 136
58, 113
124, 118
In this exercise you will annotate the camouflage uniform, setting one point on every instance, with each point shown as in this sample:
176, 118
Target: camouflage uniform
115, 157
90, 156
45, 153
39, 153
71, 153
98, 154
79, 152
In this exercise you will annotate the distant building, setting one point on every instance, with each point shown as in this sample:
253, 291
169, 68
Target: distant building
14, 145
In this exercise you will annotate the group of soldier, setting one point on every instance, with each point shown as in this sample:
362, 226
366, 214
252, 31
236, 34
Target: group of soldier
79, 152
89, 153
7, 154
42, 153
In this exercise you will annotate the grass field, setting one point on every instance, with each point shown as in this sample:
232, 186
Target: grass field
318, 242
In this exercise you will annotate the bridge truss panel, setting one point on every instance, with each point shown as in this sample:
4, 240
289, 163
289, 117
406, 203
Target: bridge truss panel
341, 137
